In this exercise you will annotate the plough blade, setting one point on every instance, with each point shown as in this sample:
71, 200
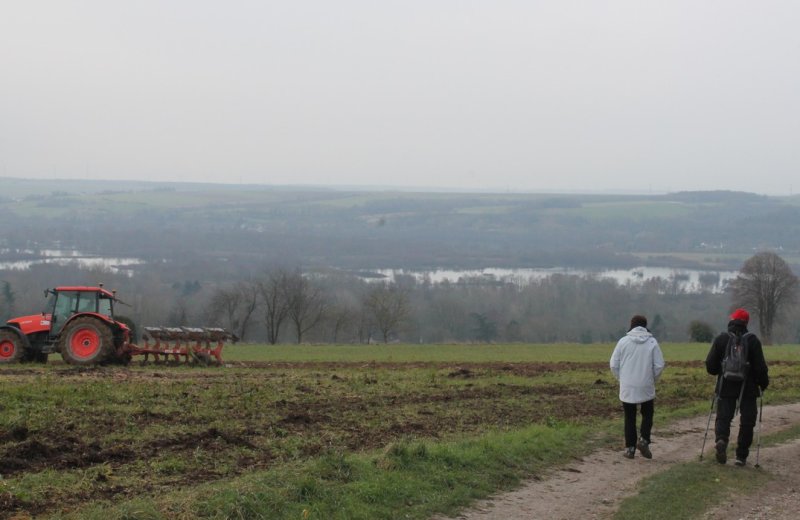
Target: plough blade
195, 345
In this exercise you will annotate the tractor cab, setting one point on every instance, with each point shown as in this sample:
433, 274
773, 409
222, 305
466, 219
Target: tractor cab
65, 302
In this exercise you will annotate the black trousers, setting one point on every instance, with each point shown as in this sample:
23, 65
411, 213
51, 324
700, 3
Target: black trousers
748, 412
630, 409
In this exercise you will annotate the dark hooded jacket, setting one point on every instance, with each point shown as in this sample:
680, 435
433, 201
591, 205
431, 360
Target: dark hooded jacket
758, 374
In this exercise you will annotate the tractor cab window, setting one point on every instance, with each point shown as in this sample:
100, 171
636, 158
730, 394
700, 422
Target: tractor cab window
87, 302
104, 306
64, 305
51, 302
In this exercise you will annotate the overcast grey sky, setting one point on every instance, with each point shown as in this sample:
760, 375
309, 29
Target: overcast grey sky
502, 95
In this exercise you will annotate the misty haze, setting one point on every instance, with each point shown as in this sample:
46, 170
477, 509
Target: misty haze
377, 260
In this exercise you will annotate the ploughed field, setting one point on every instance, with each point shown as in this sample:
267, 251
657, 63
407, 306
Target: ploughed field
72, 437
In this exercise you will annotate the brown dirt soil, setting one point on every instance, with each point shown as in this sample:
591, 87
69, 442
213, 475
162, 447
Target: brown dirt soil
311, 415
316, 417
594, 486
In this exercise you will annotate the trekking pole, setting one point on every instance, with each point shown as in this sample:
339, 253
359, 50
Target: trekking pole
758, 430
710, 413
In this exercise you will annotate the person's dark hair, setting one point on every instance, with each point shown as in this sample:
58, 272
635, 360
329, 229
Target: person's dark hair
638, 321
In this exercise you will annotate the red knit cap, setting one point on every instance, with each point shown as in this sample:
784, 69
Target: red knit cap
741, 315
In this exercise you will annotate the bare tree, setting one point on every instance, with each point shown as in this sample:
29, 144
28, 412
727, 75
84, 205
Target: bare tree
179, 313
387, 305
247, 308
236, 305
364, 323
765, 284
339, 316
272, 291
305, 303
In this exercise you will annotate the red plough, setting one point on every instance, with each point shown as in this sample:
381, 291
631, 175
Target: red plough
193, 345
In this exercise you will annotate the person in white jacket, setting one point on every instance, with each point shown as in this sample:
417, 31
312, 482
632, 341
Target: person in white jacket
637, 362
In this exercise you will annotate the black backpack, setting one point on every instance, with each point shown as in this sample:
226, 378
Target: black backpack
735, 365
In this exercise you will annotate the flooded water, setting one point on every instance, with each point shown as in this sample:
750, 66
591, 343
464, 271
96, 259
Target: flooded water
669, 279
67, 257
672, 279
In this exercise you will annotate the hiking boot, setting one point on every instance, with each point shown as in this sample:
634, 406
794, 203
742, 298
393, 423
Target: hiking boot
644, 448
722, 448
630, 452
740, 462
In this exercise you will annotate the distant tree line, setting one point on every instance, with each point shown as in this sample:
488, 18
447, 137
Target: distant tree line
286, 304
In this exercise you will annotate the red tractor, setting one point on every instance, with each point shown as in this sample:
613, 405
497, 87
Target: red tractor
78, 322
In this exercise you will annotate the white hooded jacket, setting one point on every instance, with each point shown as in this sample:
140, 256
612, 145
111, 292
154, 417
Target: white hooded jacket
637, 362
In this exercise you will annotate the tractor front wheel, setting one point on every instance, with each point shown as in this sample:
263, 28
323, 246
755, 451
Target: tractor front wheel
11, 348
86, 341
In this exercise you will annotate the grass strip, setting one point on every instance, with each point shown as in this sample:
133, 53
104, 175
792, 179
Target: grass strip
410, 478
688, 490
471, 353
787, 435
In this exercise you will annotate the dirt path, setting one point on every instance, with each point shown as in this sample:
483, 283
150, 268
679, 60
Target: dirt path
593, 487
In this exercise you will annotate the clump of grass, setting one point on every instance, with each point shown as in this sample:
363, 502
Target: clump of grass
688, 490
780, 437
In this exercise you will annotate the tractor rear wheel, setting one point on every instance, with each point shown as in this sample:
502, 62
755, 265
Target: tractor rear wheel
11, 347
86, 341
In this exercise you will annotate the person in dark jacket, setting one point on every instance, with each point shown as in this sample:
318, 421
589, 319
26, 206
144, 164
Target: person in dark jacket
728, 392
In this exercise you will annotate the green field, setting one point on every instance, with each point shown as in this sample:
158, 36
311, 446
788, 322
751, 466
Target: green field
478, 353
348, 431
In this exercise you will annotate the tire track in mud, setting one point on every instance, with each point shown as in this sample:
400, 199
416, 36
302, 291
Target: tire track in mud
594, 486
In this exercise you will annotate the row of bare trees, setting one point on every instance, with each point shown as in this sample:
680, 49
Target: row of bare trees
286, 305
287, 298
555, 309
